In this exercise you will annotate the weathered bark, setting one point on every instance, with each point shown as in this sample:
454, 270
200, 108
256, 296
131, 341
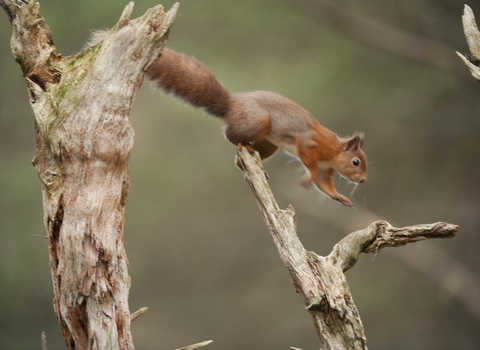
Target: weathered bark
84, 138
320, 280
472, 35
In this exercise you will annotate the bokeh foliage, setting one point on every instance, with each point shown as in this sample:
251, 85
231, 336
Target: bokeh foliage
200, 256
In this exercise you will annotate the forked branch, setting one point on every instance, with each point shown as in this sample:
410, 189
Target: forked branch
321, 280
381, 234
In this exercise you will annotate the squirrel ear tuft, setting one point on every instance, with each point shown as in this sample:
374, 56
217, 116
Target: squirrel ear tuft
361, 137
355, 142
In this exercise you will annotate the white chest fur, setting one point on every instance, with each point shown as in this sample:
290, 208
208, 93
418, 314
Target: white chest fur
287, 146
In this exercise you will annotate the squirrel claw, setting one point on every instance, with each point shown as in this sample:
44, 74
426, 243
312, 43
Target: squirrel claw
248, 146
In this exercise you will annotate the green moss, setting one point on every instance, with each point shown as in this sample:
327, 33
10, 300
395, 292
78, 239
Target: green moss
73, 71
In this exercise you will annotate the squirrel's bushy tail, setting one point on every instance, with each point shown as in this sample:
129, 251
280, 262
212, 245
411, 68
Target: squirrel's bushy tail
191, 80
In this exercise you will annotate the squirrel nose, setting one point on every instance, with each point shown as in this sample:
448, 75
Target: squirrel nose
363, 180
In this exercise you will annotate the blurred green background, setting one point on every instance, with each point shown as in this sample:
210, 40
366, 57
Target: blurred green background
200, 255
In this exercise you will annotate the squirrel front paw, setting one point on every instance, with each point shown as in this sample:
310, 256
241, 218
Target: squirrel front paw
344, 200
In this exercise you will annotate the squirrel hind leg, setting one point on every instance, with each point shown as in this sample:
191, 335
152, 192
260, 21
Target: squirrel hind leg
247, 128
265, 148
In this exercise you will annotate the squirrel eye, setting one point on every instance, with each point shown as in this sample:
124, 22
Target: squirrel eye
356, 162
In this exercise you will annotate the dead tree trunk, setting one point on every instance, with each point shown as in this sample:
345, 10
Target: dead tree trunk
84, 138
320, 280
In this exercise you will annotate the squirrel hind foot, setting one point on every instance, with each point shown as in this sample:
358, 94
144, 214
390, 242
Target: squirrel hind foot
248, 146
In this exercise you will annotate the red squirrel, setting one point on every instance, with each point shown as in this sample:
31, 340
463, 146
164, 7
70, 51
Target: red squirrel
265, 121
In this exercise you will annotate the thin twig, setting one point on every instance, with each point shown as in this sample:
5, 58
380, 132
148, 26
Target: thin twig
138, 313
198, 345
44, 341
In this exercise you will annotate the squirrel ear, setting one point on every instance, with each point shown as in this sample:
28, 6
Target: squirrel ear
355, 142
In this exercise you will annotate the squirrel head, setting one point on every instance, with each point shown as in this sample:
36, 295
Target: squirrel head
351, 162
